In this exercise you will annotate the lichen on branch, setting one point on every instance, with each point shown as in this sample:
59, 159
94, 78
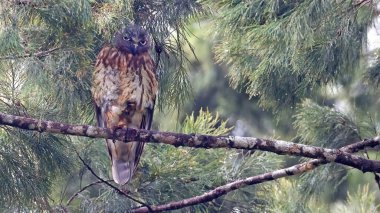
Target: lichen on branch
198, 141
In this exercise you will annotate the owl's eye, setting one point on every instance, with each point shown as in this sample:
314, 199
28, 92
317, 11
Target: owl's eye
126, 38
143, 42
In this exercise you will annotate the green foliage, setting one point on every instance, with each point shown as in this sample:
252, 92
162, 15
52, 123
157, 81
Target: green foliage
286, 199
372, 77
168, 173
9, 40
361, 201
323, 126
282, 51
184, 176
205, 123
167, 21
47, 51
40, 159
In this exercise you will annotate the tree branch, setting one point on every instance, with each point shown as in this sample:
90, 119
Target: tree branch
377, 177
37, 54
110, 185
222, 190
84, 188
359, 3
199, 141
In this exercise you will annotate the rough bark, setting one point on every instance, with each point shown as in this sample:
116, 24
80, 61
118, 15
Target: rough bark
198, 141
222, 190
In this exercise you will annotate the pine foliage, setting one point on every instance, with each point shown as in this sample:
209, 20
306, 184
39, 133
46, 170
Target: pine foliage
170, 173
361, 201
324, 126
309, 56
205, 123
282, 51
47, 51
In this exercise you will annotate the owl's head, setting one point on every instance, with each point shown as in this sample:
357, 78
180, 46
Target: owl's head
132, 39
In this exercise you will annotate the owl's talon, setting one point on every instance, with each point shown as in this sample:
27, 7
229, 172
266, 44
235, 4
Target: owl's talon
131, 106
114, 129
125, 191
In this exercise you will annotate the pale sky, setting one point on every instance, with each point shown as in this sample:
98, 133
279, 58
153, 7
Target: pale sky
374, 35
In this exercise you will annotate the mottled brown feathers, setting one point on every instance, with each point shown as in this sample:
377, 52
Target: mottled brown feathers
110, 56
124, 91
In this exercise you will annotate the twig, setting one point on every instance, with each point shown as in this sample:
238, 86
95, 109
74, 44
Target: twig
359, 3
23, 2
84, 188
200, 141
222, 190
37, 54
158, 49
377, 177
110, 185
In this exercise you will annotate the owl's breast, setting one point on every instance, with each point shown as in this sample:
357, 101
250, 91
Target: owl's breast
139, 84
106, 85
122, 79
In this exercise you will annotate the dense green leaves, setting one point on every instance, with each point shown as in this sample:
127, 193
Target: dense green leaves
361, 201
47, 51
324, 126
304, 60
30, 163
205, 123
282, 51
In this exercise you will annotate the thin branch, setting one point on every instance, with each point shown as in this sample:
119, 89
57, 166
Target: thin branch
23, 2
359, 3
84, 188
377, 177
110, 185
199, 141
37, 54
222, 190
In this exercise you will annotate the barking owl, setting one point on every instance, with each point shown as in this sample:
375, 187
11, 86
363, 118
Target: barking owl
124, 91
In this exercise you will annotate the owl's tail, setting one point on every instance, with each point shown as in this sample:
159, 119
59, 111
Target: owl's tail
125, 157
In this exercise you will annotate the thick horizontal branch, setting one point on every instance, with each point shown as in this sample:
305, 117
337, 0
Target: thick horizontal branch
222, 190
199, 141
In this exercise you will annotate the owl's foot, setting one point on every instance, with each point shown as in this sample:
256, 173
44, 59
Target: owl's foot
125, 190
130, 108
114, 129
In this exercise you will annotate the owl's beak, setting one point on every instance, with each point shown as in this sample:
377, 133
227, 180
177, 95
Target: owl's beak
135, 44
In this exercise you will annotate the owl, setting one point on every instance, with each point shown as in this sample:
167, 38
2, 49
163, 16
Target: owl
124, 90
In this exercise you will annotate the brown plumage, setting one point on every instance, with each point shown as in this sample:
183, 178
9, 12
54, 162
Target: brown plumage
124, 91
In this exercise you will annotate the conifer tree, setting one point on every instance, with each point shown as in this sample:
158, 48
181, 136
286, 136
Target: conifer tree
303, 61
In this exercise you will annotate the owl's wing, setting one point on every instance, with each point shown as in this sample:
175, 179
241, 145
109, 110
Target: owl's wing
99, 118
148, 117
146, 123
